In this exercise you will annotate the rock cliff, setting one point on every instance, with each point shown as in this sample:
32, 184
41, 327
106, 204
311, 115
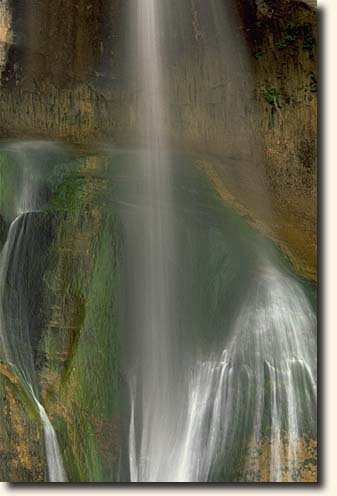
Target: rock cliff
242, 90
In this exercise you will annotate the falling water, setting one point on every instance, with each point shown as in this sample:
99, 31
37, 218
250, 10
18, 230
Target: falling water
262, 386
153, 319
198, 419
15, 333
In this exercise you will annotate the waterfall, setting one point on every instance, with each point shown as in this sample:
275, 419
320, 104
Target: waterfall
15, 332
198, 419
56, 471
268, 365
153, 318
260, 387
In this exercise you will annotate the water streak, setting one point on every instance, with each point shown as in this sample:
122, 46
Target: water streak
153, 292
263, 386
199, 420
15, 332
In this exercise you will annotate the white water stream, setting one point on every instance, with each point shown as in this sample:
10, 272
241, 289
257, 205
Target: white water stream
187, 420
269, 364
15, 338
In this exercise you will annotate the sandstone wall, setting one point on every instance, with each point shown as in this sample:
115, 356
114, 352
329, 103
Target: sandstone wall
241, 87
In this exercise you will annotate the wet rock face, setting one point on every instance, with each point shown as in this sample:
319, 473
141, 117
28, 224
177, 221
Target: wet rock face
69, 305
58, 43
26, 291
71, 68
282, 39
273, 6
248, 96
26, 300
5, 32
70, 74
3, 231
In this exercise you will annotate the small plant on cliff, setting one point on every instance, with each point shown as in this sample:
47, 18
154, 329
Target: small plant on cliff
289, 38
313, 83
295, 33
271, 95
258, 55
308, 41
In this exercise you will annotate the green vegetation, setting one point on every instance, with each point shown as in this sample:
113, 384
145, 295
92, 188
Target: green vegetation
8, 183
65, 186
91, 389
289, 37
308, 41
83, 346
271, 95
296, 36
80, 378
259, 55
313, 83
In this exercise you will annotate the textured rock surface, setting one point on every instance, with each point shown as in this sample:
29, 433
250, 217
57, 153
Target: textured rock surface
68, 76
73, 314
